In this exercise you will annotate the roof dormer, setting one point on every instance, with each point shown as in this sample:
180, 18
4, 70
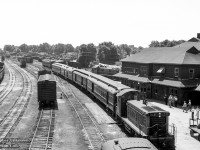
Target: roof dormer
193, 50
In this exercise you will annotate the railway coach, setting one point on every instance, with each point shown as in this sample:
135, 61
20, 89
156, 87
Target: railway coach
104, 89
46, 91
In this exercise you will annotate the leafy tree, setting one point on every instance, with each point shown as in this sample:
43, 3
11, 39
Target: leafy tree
108, 53
45, 47
9, 48
87, 54
69, 48
124, 50
165, 43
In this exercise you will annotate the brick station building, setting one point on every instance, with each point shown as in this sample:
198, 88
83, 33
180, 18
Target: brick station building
165, 70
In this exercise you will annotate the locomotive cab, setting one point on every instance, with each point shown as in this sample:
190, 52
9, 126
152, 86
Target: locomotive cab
122, 98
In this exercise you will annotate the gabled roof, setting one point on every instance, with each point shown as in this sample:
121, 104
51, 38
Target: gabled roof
194, 39
166, 55
189, 44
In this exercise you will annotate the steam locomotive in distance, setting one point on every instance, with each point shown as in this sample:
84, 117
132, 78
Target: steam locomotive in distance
138, 118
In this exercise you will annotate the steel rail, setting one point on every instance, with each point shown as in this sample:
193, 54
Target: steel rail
92, 132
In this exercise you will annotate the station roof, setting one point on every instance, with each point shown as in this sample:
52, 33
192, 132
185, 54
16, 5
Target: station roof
166, 55
166, 82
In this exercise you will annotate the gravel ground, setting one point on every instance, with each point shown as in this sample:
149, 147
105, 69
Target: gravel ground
67, 133
25, 128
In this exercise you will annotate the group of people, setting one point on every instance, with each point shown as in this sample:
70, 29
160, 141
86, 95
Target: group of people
171, 100
187, 107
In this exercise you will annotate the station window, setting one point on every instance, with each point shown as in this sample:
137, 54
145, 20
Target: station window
176, 72
156, 90
191, 73
143, 69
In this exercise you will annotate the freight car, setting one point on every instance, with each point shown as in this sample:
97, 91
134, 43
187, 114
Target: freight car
124, 103
22, 61
2, 70
46, 91
47, 63
128, 143
29, 59
43, 72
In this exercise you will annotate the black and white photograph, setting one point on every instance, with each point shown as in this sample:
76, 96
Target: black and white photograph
99, 75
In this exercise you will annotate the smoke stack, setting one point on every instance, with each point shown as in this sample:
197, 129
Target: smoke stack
198, 35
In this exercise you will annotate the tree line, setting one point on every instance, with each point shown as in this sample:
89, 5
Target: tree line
105, 52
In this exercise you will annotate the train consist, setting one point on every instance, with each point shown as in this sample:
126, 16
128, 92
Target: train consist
2, 71
46, 89
128, 143
138, 118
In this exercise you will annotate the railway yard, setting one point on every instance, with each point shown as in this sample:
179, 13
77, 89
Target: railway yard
77, 122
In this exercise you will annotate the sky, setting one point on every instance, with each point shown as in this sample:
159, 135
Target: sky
76, 22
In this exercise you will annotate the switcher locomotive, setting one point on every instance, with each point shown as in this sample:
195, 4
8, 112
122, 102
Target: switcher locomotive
138, 118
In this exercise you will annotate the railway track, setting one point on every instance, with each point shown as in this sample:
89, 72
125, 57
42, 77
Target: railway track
12, 118
43, 135
92, 133
9, 86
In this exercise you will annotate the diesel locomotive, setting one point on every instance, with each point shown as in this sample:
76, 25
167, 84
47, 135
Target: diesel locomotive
138, 118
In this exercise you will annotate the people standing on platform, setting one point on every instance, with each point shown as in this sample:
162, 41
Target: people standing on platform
192, 114
197, 112
185, 106
190, 105
165, 99
170, 101
175, 100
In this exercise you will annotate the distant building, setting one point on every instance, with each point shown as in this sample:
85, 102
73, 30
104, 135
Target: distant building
165, 70
104, 69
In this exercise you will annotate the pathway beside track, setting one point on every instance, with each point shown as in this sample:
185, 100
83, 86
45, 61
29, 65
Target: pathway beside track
93, 135
14, 115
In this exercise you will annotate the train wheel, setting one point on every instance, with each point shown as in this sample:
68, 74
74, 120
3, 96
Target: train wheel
191, 133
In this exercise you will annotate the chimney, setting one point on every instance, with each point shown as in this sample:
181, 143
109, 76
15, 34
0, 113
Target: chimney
198, 35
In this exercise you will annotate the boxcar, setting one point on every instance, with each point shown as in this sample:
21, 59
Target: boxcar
22, 62
29, 59
128, 143
149, 121
43, 72
2, 70
47, 63
46, 90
